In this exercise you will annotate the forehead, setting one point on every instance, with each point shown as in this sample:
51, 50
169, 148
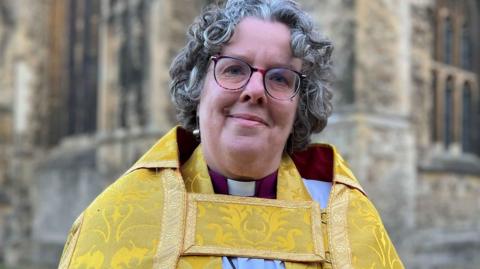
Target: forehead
255, 39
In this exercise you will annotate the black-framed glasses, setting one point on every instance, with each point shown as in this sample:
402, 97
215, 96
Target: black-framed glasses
234, 74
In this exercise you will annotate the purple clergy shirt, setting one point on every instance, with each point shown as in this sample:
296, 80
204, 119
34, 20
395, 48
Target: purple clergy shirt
264, 188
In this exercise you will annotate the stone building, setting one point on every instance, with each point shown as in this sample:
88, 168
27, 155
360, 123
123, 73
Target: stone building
83, 93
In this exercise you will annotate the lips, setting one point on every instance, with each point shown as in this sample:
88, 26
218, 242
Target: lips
248, 117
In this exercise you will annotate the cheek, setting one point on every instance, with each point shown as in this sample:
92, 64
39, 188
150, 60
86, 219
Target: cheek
289, 113
205, 96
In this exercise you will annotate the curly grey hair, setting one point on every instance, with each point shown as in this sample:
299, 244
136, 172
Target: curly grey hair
212, 29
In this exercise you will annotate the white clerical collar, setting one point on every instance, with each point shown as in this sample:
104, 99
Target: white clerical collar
241, 188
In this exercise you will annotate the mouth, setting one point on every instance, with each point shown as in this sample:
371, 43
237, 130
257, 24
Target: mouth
249, 118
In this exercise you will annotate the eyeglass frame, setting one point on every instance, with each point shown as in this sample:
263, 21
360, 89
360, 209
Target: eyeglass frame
216, 58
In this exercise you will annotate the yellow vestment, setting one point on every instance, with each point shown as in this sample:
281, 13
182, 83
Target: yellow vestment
161, 214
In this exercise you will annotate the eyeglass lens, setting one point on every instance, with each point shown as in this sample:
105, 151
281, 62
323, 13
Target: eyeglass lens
234, 74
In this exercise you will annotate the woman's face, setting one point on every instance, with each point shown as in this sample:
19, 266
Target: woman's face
243, 133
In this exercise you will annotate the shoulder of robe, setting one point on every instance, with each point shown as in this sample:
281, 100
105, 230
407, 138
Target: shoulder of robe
104, 230
367, 236
170, 151
361, 240
145, 179
112, 229
324, 162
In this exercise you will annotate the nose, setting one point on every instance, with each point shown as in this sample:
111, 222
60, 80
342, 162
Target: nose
254, 91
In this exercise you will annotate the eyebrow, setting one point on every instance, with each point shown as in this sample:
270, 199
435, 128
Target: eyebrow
270, 66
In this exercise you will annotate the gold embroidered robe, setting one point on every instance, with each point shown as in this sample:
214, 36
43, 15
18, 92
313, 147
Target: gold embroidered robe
161, 214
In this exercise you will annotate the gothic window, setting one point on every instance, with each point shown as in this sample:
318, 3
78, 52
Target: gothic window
434, 110
132, 65
455, 76
466, 47
82, 66
467, 118
448, 113
6, 24
448, 41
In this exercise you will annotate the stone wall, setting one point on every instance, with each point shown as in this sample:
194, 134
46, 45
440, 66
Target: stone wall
447, 235
65, 182
22, 70
341, 30
6, 25
421, 75
66, 177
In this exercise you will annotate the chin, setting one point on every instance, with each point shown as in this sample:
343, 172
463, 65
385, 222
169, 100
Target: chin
246, 146
258, 145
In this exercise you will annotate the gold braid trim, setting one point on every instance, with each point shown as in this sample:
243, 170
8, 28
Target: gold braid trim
153, 165
173, 221
200, 262
318, 240
337, 222
303, 265
70, 244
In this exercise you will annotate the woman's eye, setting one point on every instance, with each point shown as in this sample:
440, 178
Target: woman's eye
279, 79
234, 70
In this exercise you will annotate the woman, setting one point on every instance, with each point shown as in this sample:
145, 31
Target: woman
252, 84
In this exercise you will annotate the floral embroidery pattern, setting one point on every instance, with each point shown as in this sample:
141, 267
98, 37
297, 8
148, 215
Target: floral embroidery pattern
112, 235
263, 228
369, 238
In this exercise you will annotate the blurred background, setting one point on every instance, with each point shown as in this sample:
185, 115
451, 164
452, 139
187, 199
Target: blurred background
84, 92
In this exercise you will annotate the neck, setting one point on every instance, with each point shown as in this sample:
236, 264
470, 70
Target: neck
241, 166
264, 187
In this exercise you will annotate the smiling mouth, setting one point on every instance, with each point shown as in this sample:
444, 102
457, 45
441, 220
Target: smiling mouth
248, 117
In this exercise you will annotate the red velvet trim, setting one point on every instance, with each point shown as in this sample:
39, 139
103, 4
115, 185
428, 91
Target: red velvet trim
187, 143
316, 162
